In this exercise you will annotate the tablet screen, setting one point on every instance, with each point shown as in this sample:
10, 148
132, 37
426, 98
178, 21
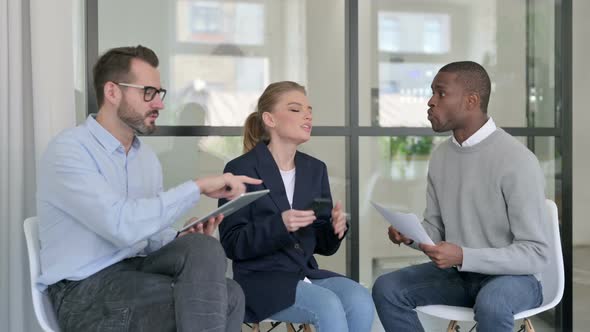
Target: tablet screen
230, 207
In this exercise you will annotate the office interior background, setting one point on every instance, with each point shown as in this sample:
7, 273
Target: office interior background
367, 66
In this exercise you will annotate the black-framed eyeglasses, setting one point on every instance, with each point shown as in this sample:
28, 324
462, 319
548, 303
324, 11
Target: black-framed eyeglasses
149, 92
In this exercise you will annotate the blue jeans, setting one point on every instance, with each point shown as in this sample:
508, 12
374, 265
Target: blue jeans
333, 304
494, 298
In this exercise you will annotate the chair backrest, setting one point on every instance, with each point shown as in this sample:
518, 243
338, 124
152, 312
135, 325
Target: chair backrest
41, 303
553, 278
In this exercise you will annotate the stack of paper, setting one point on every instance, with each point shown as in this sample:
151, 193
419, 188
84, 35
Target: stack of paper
405, 223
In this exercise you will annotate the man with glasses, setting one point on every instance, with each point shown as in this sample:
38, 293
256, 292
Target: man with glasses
109, 257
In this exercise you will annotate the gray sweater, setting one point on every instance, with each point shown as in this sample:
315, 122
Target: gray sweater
489, 199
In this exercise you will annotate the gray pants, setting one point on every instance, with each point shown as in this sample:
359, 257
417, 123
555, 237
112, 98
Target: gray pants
181, 287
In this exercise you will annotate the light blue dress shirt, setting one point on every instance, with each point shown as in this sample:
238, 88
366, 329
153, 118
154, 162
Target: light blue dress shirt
98, 205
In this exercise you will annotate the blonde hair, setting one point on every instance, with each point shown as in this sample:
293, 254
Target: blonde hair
254, 129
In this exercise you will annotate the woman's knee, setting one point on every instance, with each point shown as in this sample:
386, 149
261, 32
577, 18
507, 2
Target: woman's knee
359, 307
331, 305
330, 314
359, 299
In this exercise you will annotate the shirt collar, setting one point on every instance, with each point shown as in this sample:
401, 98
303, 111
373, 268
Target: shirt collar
105, 138
482, 133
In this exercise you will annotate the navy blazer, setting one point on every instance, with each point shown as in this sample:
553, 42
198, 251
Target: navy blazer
268, 260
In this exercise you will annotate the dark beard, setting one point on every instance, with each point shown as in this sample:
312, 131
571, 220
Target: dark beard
135, 120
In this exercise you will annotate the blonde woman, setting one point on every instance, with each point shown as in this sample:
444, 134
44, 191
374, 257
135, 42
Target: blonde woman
272, 241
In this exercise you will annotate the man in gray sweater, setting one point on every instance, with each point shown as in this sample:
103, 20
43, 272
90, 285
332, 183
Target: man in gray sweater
485, 211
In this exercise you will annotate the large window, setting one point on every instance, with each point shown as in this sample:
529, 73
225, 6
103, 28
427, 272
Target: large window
401, 46
368, 66
218, 56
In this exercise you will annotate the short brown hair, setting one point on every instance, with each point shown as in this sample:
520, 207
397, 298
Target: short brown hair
115, 65
254, 130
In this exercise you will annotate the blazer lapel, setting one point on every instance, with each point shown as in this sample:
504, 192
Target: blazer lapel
303, 179
268, 171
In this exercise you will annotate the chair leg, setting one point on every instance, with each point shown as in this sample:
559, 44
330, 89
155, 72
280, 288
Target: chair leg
255, 327
302, 327
453, 326
528, 325
290, 327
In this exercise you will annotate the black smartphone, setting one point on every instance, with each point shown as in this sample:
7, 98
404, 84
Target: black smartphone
320, 205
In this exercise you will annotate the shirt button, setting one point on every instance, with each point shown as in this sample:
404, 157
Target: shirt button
297, 246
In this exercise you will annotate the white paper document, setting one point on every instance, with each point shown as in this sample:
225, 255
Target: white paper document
405, 223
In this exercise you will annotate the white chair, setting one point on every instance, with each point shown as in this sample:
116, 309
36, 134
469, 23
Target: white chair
552, 279
41, 303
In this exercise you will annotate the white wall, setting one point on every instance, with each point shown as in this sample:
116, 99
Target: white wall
581, 117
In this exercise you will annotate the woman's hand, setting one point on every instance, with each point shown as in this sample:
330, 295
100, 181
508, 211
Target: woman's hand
339, 220
295, 219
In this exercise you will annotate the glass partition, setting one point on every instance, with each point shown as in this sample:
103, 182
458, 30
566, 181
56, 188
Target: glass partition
216, 57
368, 66
402, 45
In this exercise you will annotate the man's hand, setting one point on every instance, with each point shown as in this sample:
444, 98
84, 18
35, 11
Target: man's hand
208, 227
444, 254
397, 237
339, 220
295, 219
227, 186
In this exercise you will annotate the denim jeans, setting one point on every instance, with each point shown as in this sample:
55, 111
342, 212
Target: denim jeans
494, 298
181, 287
334, 304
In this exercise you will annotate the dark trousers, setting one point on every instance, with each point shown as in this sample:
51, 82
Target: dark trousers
181, 287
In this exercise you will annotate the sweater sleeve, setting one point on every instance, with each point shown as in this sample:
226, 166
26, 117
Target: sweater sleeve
433, 223
523, 189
